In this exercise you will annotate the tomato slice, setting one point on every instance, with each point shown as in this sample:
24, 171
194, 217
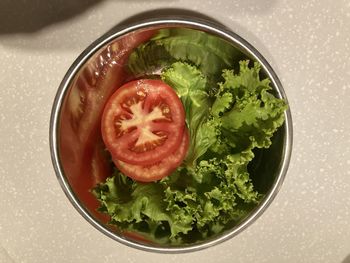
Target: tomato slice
143, 122
159, 170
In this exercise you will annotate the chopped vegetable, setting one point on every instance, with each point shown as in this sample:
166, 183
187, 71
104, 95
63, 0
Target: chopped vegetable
143, 122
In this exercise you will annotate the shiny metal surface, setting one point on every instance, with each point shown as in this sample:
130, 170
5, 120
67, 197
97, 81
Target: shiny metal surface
287, 133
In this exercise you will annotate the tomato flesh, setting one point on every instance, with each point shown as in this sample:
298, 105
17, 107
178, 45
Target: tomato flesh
158, 170
143, 122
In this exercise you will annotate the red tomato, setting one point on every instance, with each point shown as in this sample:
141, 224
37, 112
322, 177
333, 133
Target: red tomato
143, 122
159, 170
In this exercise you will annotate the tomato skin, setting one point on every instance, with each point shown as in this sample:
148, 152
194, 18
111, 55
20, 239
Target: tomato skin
159, 170
142, 122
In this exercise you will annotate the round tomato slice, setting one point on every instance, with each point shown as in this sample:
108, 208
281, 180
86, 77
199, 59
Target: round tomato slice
159, 170
143, 122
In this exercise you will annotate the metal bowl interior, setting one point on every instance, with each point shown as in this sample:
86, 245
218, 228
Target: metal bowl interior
77, 149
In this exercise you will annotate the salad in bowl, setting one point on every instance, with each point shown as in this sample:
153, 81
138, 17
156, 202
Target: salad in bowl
171, 135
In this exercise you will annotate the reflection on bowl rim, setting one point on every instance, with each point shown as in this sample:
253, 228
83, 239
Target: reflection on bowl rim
158, 23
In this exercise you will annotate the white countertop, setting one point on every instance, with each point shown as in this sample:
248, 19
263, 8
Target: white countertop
307, 43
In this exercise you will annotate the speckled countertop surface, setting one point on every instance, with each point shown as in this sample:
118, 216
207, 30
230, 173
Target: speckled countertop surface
307, 43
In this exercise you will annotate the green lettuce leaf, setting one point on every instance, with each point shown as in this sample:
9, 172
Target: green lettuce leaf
215, 193
254, 114
191, 87
140, 207
209, 53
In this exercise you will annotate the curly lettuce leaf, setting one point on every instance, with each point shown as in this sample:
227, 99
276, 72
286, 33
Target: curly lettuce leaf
215, 193
191, 87
141, 208
209, 53
248, 111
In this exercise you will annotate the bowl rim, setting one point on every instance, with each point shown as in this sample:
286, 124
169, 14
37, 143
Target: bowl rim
195, 23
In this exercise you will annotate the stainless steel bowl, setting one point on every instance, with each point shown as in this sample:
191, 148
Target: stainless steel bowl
77, 162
